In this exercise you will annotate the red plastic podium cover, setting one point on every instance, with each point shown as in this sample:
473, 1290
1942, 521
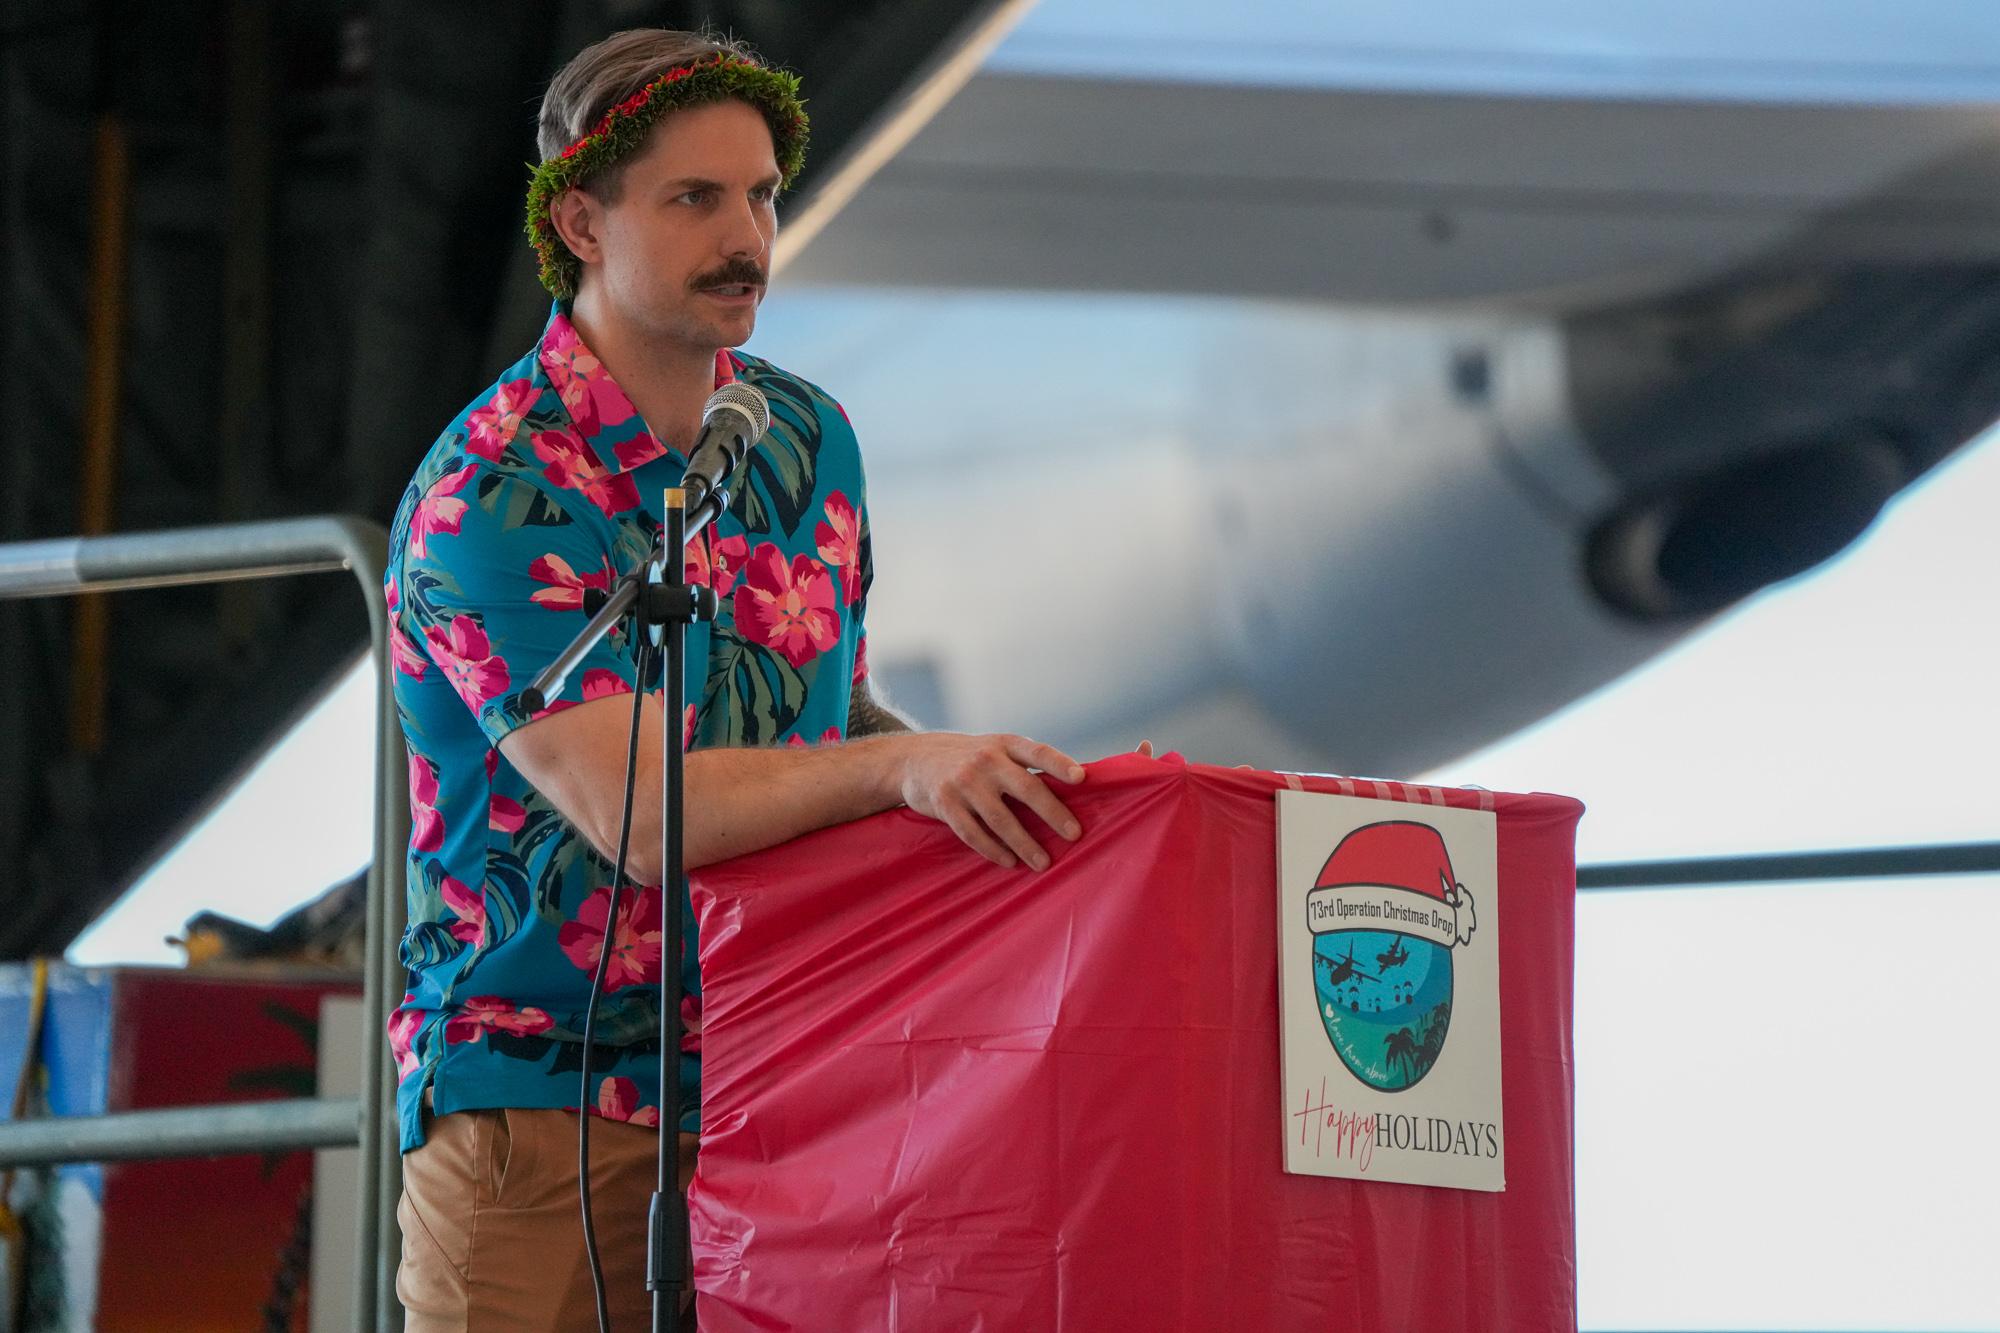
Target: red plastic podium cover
941, 1095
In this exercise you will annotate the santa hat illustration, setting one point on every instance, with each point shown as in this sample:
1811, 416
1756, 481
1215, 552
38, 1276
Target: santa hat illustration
1400, 854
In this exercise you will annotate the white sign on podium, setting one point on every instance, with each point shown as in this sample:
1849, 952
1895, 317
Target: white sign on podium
1389, 991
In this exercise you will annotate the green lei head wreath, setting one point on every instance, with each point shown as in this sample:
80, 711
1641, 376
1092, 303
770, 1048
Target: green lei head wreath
623, 128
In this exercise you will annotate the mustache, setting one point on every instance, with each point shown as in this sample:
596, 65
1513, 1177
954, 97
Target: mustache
735, 273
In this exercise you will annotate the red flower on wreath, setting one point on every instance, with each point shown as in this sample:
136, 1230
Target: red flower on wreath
634, 937
789, 608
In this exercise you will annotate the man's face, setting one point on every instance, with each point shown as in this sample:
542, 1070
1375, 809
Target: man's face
687, 245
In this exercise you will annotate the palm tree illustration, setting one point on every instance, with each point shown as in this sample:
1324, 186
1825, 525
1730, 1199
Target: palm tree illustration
1400, 1048
1433, 1030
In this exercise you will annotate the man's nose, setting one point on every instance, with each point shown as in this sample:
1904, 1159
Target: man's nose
748, 234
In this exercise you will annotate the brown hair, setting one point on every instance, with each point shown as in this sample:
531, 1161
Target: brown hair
604, 74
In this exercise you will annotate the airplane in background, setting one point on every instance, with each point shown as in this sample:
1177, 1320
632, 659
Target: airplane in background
1352, 386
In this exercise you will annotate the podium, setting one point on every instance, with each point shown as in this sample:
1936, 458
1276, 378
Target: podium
942, 1095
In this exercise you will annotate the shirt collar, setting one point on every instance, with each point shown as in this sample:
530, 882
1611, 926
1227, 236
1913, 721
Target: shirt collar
601, 412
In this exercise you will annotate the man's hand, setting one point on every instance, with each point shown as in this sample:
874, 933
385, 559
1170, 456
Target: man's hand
743, 800
965, 782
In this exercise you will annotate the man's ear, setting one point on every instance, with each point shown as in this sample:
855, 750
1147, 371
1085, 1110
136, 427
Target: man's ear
577, 217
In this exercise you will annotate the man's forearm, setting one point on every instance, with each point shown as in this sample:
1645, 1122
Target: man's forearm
742, 801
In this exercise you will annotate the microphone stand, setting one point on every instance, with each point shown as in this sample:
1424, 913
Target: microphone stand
661, 604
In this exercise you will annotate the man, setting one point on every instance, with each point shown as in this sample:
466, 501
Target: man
653, 213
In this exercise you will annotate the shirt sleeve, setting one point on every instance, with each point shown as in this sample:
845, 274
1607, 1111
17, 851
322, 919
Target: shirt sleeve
496, 575
865, 562
864, 542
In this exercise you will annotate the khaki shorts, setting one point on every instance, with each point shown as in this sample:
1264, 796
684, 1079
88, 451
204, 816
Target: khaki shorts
492, 1235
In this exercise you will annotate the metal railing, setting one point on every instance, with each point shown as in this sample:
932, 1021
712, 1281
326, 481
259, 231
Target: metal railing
231, 553
1961, 858
298, 546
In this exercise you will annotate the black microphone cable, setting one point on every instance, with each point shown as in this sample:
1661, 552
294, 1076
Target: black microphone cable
584, 1100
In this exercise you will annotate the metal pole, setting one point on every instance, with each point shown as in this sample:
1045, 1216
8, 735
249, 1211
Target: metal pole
667, 1219
236, 551
64, 566
1965, 858
183, 1131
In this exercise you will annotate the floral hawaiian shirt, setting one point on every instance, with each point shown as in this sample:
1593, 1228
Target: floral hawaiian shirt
545, 487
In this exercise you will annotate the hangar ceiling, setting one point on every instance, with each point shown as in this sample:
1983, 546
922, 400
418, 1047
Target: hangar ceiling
256, 255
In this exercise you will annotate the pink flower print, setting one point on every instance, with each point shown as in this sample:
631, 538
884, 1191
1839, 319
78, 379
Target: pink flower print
390, 596
641, 448
490, 427
592, 398
635, 937
598, 683
860, 661
440, 510
831, 736
426, 824
603, 683
470, 909
569, 463
489, 1013
839, 541
403, 1027
687, 728
492, 762
789, 608
728, 556
690, 1023
405, 655
727, 367
567, 587
505, 814
618, 1099
468, 661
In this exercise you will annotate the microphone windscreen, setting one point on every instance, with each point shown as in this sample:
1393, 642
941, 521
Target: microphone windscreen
745, 399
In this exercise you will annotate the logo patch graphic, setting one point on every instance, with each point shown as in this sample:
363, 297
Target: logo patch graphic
1386, 913
1389, 987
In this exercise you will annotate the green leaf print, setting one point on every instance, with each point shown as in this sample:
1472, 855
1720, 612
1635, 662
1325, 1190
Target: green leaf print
756, 693
518, 504
783, 467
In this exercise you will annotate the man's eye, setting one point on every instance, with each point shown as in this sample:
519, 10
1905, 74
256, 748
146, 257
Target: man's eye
764, 194
693, 197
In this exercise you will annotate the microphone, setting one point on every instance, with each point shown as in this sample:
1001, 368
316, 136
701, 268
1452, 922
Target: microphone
734, 418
